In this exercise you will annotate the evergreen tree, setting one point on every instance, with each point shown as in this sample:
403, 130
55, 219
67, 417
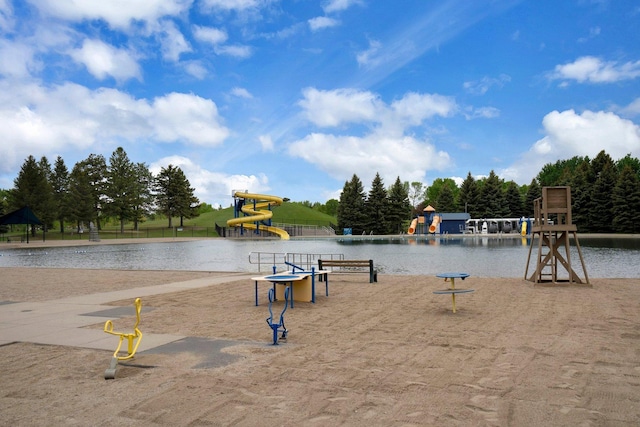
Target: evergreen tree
399, 207
95, 169
534, 192
626, 201
492, 197
46, 206
632, 162
602, 202
174, 195
60, 186
513, 201
600, 162
81, 196
377, 207
446, 201
31, 189
581, 189
143, 197
469, 196
120, 187
433, 192
351, 213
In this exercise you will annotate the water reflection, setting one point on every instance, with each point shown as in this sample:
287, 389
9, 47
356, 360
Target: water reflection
480, 256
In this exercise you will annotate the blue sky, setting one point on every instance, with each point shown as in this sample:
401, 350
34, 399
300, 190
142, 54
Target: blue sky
293, 97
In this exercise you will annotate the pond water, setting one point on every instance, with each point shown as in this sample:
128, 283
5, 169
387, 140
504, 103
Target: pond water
479, 256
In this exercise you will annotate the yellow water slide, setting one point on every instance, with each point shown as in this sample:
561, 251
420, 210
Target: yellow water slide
257, 211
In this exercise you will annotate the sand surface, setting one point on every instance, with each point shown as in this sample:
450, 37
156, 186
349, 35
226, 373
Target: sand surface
385, 354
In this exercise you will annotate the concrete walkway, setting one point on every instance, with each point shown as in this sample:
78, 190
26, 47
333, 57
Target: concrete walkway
63, 321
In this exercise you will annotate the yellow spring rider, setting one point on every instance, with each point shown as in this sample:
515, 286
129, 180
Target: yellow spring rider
136, 336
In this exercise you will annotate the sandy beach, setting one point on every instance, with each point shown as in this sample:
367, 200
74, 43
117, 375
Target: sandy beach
390, 353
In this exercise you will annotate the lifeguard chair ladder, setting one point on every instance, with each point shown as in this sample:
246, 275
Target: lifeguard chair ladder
552, 225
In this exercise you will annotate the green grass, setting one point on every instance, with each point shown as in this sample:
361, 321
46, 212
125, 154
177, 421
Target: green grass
290, 213
201, 226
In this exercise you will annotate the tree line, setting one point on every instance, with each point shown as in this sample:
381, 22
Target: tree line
96, 190
605, 197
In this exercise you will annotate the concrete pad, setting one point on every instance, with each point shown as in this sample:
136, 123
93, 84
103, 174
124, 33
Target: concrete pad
118, 312
63, 321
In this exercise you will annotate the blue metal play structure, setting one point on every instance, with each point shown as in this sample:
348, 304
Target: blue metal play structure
276, 327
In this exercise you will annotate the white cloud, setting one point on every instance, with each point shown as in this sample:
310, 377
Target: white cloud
482, 86
173, 43
241, 92
417, 107
16, 59
369, 57
231, 4
471, 113
6, 15
238, 51
403, 156
569, 134
210, 185
266, 142
117, 13
196, 69
386, 148
593, 33
189, 118
103, 60
211, 35
37, 119
343, 106
633, 109
589, 69
331, 6
322, 22
332, 108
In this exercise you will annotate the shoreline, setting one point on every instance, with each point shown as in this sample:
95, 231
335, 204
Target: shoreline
36, 243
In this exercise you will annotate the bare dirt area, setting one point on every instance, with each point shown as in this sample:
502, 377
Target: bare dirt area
390, 353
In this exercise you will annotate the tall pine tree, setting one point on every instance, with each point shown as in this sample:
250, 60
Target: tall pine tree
400, 207
351, 209
376, 207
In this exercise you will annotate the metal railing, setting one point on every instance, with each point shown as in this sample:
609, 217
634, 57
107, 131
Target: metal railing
267, 260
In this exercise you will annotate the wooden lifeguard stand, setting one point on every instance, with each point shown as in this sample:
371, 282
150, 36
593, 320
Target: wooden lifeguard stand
552, 225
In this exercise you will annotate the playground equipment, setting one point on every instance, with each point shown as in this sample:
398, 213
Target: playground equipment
412, 227
452, 290
277, 327
110, 373
525, 226
257, 211
434, 224
552, 225
428, 219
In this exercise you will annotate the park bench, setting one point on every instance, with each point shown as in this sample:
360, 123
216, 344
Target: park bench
350, 266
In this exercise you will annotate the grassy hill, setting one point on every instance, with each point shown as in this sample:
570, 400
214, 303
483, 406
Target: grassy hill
289, 213
200, 226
